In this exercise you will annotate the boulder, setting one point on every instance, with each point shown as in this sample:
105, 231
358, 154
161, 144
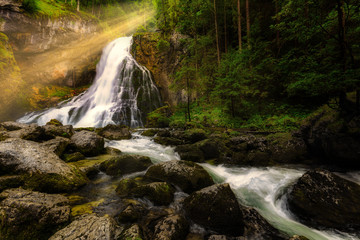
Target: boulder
42, 170
168, 141
187, 175
125, 164
24, 131
171, 227
115, 132
52, 131
322, 199
112, 151
150, 132
210, 148
132, 212
54, 122
90, 227
190, 152
160, 193
88, 143
216, 208
31, 215
256, 227
194, 135
57, 145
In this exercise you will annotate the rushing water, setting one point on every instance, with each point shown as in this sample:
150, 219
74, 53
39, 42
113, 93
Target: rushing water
122, 93
262, 188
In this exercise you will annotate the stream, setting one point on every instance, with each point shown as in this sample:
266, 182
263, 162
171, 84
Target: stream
262, 188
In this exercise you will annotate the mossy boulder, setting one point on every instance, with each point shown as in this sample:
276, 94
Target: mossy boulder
160, 193
88, 143
114, 132
159, 118
168, 141
54, 122
31, 215
91, 166
112, 151
125, 164
89, 227
187, 175
172, 227
216, 208
150, 132
24, 131
322, 199
54, 130
194, 135
73, 157
41, 169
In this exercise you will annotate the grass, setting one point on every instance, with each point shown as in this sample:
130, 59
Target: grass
273, 117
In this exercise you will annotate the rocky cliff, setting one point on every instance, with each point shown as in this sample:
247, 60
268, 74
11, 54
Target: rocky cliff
38, 41
162, 58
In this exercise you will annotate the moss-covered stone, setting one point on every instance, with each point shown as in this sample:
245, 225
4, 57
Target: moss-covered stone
125, 164
158, 118
73, 157
91, 166
12, 181
133, 211
150, 132
54, 122
86, 208
168, 141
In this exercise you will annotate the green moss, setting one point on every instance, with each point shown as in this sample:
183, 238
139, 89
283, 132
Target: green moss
86, 208
158, 118
54, 122
150, 132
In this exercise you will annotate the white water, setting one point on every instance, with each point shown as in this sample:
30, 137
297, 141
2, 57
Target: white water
122, 93
261, 188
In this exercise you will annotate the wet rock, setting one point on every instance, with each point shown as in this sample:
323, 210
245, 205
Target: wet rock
168, 141
53, 130
133, 211
112, 151
57, 145
90, 227
88, 143
90, 166
216, 207
172, 227
256, 227
12, 181
160, 193
125, 164
13, 126
150, 132
73, 157
132, 233
194, 135
187, 175
190, 152
31, 215
42, 170
115, 132
210, 148
322, 199
54, 122
296, 237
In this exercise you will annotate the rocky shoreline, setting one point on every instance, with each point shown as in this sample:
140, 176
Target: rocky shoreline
41, 165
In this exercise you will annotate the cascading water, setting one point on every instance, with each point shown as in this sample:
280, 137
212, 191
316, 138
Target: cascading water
122, 93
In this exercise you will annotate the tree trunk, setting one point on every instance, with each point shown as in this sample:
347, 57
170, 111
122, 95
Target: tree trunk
78, 6
342, 47
277, 22
239, 24
358, 100
217, 34
248, 23
93, 7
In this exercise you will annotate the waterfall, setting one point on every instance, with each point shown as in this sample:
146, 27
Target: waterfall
123, 92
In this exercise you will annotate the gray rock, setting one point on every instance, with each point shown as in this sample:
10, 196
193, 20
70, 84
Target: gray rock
90, 227
43, 170
187, 175
88, 143
31, 215
52, 131
217, 208
57, 145
23, 131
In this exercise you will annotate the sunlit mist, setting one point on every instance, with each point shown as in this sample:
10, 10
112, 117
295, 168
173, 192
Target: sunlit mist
54, 63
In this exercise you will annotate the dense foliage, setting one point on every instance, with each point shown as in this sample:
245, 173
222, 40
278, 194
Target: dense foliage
294, 54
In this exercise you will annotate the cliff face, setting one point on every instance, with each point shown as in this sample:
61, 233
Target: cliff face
162, 61
43, 50
10, 80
